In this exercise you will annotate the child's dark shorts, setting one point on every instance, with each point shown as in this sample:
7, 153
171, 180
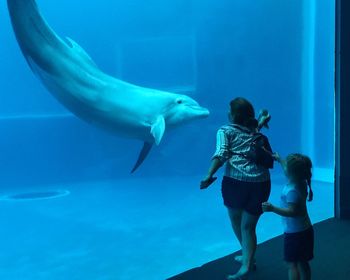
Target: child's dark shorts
299, 246
247, 196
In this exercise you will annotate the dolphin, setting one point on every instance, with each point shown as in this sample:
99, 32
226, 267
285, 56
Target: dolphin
72, 77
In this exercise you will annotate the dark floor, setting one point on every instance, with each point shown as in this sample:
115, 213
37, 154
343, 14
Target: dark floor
332, 257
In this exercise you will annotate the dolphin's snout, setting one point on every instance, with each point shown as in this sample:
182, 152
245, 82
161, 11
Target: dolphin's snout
206, 112
201, 112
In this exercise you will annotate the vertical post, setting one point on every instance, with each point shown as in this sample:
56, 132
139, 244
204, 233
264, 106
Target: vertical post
342, 103
308, 78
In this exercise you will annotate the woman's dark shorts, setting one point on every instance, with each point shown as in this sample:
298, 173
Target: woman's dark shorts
299, 246
247, 196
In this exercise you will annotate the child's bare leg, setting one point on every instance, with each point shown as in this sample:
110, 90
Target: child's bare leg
293, 273
304, 270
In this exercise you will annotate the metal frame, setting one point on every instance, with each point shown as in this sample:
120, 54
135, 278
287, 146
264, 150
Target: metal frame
342, 110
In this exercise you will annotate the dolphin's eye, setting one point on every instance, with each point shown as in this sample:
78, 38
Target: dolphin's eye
179, 101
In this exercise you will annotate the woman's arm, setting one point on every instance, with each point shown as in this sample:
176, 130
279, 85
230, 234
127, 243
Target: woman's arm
266, 155
209, 179
215, 165
221, 155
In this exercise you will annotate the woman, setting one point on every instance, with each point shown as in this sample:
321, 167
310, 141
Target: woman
246, 183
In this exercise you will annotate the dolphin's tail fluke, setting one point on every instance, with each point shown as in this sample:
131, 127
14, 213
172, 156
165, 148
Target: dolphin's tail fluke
143, 154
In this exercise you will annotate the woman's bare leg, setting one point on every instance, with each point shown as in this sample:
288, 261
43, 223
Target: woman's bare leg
249, 242
236, 222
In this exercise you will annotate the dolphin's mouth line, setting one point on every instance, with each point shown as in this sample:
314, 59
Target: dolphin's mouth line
203, 112
198, 108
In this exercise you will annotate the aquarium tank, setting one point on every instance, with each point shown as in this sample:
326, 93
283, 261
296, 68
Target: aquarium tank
70, 207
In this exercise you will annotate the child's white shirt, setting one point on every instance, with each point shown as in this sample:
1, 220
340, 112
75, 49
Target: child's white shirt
294, 224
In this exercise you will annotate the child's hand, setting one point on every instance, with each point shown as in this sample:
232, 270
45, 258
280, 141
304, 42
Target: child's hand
207, 181
280, 160
267, 207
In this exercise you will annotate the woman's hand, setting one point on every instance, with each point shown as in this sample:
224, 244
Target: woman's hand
263, 119
277, 157
207, 181
267, 207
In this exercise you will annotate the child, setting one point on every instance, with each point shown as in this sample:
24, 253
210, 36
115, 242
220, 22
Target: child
247, 156
299, 234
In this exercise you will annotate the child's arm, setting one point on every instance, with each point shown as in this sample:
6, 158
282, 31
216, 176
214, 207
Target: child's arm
290, 211
279, 159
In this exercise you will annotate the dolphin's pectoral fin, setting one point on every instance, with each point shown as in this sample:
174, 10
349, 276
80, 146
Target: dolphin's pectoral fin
157, 129
142, 156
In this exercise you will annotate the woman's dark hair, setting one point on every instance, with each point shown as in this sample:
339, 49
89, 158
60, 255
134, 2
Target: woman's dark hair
243, 113
300, 168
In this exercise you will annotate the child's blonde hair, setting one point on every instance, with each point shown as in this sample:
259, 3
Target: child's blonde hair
299, 167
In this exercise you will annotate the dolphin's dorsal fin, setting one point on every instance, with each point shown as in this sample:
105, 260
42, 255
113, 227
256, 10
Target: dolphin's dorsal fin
80, 51
142, 156
157, 129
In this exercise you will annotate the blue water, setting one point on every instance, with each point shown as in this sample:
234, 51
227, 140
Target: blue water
156, 223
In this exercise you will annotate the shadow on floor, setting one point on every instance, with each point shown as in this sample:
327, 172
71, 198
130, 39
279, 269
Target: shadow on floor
332, 257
